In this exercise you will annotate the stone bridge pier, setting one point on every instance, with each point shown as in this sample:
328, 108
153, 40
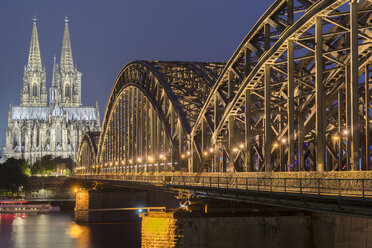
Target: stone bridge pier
108, 205
181, 229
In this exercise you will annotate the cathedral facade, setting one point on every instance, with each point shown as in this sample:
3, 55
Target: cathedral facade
37, 128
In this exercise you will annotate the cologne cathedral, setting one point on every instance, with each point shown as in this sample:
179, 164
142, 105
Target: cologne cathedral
37, 128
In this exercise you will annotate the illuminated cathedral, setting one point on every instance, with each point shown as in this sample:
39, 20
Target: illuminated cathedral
37, 128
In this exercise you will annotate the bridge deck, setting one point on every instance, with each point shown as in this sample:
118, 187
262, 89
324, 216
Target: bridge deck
342, 187
352, 196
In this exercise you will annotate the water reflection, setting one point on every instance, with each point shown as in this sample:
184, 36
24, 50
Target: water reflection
80, 233
59, 230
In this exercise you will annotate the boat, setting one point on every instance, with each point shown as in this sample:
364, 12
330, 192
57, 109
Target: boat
26, 207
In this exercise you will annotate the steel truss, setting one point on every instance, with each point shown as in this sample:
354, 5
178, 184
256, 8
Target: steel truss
87, 152
151, 110
292, 97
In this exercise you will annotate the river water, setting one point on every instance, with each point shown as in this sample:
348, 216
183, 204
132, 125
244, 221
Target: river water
57, 230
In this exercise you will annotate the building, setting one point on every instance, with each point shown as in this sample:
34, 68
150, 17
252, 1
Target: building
36, 128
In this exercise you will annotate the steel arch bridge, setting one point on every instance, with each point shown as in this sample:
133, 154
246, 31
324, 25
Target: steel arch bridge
294, 96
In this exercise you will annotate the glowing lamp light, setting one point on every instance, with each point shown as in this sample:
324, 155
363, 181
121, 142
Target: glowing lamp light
235, 149
75, 189
139, 160
116, 163
130, 161
110, 163
183, 156
336, 137
345, 132
161, 156
241, 146
205, 153
150, 159
275, 145
284, 140
188, 153
211, 150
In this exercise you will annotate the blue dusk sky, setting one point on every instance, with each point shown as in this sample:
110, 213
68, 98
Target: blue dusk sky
107, 34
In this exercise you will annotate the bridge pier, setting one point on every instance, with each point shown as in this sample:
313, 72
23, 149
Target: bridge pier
102, 206
181, 229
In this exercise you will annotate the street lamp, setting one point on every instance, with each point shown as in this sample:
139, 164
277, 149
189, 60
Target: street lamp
275, 145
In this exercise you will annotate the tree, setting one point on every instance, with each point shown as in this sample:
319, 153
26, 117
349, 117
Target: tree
13, 174
45, 166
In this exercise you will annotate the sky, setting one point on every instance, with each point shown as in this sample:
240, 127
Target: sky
107, 34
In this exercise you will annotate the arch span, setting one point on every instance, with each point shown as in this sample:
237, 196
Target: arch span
87, 153
151, 110
283, 101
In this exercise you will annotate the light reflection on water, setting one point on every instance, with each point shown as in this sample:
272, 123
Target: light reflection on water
59, 230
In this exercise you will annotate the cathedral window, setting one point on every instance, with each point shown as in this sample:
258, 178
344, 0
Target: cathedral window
37, 137
24, 133
34, 90
58, 136
15, 138
47, 145
67, 91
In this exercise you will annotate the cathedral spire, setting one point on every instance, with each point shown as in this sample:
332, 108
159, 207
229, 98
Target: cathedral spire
54, 79
67, 63
34, 59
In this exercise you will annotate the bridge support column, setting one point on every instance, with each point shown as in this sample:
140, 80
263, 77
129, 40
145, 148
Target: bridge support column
354, 85
216, 159
158, 144
319, 97
248, 138
367, 102
231, 144
267, 140
152, 139
340, 142
181, 147
125, 127
347, 131
290, 106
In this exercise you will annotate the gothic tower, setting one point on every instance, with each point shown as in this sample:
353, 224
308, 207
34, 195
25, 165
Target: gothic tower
68, 78
34, 91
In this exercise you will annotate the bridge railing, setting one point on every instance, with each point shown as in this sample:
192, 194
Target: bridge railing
360, 188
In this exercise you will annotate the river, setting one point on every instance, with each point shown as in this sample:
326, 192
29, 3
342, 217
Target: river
57, 230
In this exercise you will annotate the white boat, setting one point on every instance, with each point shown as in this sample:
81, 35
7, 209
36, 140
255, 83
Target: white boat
26, 207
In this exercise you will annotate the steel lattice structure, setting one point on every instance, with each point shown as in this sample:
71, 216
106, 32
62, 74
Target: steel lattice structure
294, 96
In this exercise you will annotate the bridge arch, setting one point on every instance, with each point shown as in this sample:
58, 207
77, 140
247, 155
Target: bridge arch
281, 94
149, 115
87, 153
